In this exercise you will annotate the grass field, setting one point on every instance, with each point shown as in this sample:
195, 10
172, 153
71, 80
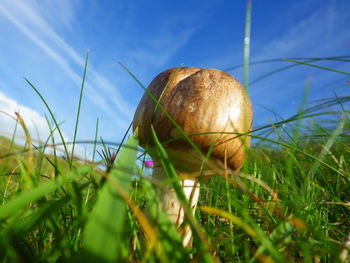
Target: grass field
290, 202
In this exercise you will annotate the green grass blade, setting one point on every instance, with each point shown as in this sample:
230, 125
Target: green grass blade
39, 215
169, 169
319, 160
265, 61
320, 67
103, 232
51, 135
27, 197
52, 116
273, 72
79, 105
13, 136
95, 141
124, 137
247, 44
165, 88
280, 237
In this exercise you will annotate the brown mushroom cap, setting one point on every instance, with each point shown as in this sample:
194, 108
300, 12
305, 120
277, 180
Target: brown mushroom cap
200, 101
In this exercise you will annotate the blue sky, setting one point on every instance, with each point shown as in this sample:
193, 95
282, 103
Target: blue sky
46, 41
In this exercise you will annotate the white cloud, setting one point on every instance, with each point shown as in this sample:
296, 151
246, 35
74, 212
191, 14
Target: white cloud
35, 123
43, 38
319, 34
152, 51
33, 120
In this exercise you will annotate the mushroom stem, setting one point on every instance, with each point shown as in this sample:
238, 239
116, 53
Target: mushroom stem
172, 205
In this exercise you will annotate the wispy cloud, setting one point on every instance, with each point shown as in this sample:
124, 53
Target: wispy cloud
320, 32
99, 90
142, 54
35, 123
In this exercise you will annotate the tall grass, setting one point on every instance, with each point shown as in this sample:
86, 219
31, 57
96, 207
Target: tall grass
290, 202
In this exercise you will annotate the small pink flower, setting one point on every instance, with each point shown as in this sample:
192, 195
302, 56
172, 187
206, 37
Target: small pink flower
149, 164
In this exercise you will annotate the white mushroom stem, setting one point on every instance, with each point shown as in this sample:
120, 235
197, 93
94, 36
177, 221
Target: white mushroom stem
172, 205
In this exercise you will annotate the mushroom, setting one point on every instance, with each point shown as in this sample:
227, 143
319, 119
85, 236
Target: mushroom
207, 101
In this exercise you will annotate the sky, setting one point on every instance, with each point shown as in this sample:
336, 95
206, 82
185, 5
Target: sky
47, 41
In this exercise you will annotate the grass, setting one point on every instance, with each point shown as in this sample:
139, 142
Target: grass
290, 202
